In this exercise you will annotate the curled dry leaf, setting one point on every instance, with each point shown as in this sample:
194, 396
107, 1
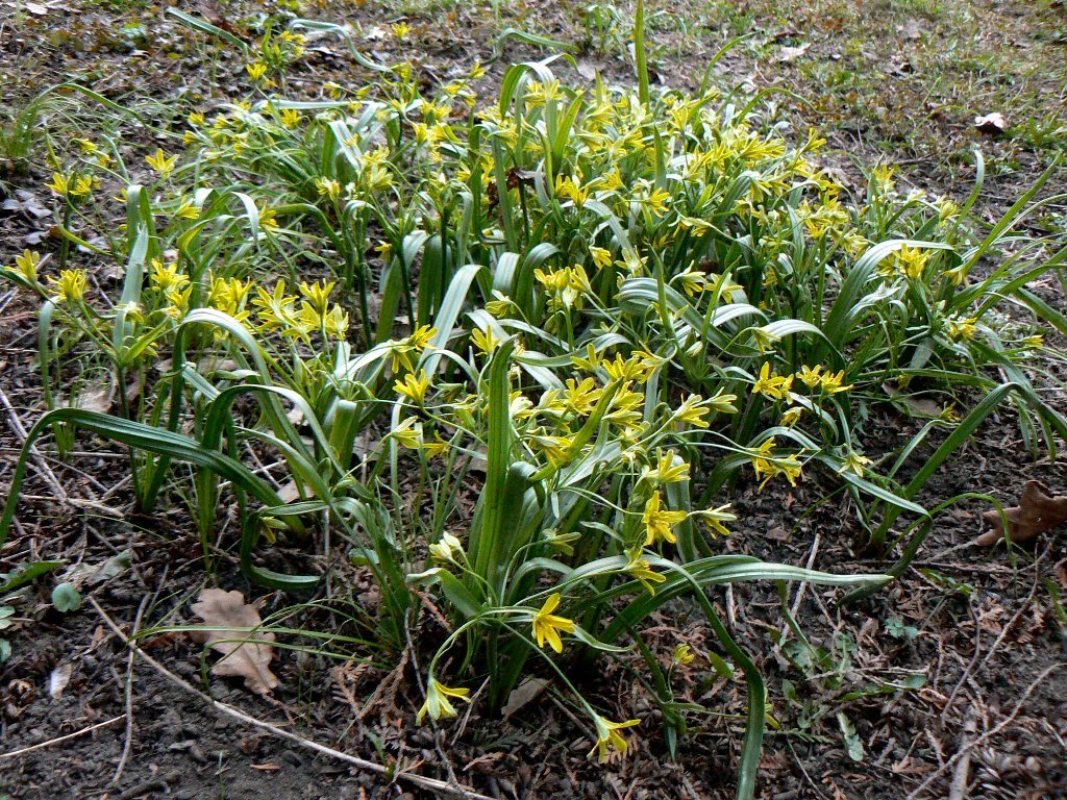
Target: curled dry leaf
242, 659
993, 124
1037, 512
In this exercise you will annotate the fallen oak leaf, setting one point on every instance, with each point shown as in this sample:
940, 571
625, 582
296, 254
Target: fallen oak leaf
249, 659
1037, 512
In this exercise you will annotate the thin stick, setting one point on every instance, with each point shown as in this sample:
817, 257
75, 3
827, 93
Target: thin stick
958, 788
965, 751
129, 699
58, 739
20, 432
432, 784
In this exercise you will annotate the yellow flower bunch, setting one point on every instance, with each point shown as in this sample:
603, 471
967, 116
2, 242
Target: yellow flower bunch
767, 465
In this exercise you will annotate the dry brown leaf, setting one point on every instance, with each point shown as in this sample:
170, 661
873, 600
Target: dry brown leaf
525, 693
249, 660
993, 124
1037, 512
97, 396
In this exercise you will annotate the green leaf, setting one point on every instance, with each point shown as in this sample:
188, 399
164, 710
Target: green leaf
26, 573
66, 598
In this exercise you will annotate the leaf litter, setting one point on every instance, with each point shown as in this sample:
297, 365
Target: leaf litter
231, 618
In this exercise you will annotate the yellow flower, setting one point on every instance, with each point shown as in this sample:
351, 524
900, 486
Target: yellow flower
268, 217
883, 176
694, 408
581, 396
568, 189
601, 257
437, 704
317, 294
256, 70
336, 322
855, 463
962, 328
161, 162
546, 625
618, 369
328, 188
641, 570
290, 117
555, 448
693, 282
447, 548
809, 376
683, 655
60, 184
911, 261
420, 338
277, 310
178, 302
70, 286
166, 277
71, 186
946, 210
196, 118
767, 465
716, 517
791, 416
657, 200
499, 305
608, 736
667, 470
484, 341
26, 265
773, 386
409, 434
413, 386
401, 30
832, 382
187, 210
658, 522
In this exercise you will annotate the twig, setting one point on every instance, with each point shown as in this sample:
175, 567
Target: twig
58, 739
966, 750
804, 772
129, 699
1023, 608
20, 432
958, 790
800, 592
970, 665
441, 787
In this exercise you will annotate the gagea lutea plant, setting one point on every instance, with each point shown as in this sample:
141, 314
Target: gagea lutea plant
492, 346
